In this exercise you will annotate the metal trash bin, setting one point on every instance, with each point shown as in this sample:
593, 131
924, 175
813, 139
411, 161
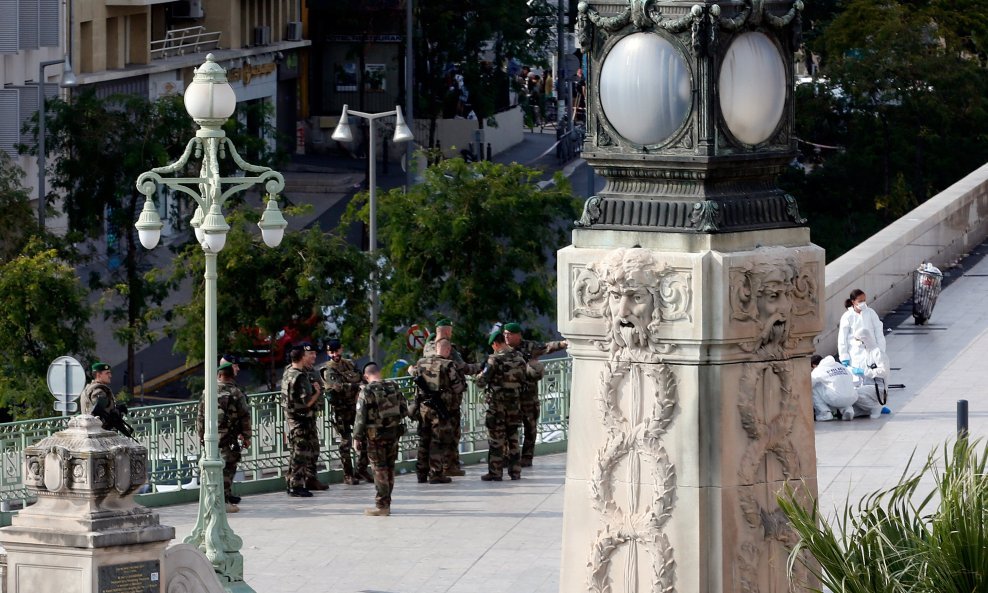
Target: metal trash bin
927, 282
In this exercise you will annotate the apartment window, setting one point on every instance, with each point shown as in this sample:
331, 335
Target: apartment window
30, 20
9, 37
10, 120
50, 31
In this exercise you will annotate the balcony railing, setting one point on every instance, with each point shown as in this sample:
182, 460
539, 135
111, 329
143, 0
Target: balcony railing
168, 432
191, 40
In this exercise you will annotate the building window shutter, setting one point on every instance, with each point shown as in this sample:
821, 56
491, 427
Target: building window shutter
50, 23
9, 37
10, 120
29, 18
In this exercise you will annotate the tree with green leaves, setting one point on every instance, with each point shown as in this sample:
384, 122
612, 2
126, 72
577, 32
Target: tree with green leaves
310, 278
474, 242
900, 114
19, 222
45, 315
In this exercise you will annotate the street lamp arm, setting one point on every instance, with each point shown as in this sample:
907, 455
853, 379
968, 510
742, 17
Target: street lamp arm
391, 113
275, 183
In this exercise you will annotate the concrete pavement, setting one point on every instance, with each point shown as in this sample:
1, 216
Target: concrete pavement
477, 537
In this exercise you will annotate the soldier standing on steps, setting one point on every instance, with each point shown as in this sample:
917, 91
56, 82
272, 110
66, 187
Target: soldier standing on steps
341, 382
531, 350
381, 413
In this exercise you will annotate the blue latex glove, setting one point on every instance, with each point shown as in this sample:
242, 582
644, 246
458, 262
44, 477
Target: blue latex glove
886, 410
857, 371
846, 362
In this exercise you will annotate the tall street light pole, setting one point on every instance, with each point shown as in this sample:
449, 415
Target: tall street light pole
68, 81
342, 133
210, 100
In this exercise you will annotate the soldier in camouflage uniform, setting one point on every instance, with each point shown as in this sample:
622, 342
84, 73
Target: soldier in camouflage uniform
435, 421
504, 375
313, 483
98, 390
233, 427
381, 410
299, 398
341, 382
531, 350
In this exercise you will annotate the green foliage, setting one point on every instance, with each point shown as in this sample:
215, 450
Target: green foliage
473, 242
271, 289
905, 98
904, 539
18, 223
44, 315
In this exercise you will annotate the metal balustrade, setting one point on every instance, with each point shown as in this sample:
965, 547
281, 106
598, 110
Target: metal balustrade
168, 432
190, 40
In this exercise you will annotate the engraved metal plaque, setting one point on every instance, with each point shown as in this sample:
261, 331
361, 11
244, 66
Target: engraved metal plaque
132, 577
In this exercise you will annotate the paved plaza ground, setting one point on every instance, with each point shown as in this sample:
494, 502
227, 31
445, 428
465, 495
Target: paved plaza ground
477, 537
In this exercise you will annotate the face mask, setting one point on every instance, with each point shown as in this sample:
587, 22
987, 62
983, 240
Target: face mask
862, 305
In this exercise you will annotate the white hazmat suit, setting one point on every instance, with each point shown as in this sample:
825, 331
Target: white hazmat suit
870, 367
851, 321
833, 391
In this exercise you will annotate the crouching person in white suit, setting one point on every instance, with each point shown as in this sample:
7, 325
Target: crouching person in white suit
870, 367
833, 389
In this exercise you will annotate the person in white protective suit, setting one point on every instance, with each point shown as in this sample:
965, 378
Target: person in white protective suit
858, 314
833, 390
870, 367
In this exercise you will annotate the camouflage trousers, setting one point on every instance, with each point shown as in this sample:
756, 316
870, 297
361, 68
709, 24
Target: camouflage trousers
303, 443
383, 452
452, 460
435, 443
530, 421
502, 444
231, 457
344, 434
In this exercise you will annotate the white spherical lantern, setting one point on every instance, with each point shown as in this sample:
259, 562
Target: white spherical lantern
645, 88
752, 88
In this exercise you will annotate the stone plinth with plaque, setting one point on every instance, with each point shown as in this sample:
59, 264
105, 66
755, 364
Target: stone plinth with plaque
85, 534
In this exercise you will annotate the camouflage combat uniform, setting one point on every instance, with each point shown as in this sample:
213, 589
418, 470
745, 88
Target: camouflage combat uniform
531, 350
463, 368
93, 393
303, 440
232, 422
504, 375
341, 382
435, 425
381, 409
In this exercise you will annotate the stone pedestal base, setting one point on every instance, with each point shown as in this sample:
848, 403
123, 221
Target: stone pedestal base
691, 407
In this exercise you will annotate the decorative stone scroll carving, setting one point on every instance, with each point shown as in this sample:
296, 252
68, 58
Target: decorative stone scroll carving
634, 294
636, 440
768, 293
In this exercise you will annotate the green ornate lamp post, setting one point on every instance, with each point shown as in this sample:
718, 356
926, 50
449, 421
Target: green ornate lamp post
211, 101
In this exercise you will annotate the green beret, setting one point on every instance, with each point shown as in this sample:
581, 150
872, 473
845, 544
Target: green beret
493, 337
225, 365
100, 366
513, 327
444, 322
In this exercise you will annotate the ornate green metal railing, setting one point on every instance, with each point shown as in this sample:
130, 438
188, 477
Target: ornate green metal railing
168, 432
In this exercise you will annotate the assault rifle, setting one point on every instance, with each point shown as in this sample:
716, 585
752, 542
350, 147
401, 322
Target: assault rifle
433, 399
113, 419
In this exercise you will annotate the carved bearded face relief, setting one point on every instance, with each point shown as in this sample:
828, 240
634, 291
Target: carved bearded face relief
770, 293
634, 294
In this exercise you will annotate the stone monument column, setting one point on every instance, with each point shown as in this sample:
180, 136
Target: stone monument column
690, 298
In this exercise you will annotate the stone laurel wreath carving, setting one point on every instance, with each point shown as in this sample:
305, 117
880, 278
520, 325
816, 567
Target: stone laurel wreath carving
637, 439
634, 295
792, 209
643, 15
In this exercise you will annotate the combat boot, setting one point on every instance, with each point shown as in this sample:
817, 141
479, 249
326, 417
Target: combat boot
526, 462
315, 484
232, 508
382, 512
455, 472
489, 477
515, 476
351, 480
423, 479
299, 493
233, 499
440, 480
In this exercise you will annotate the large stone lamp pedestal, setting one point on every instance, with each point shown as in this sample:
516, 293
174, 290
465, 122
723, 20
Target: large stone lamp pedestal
691, 407
85, 533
